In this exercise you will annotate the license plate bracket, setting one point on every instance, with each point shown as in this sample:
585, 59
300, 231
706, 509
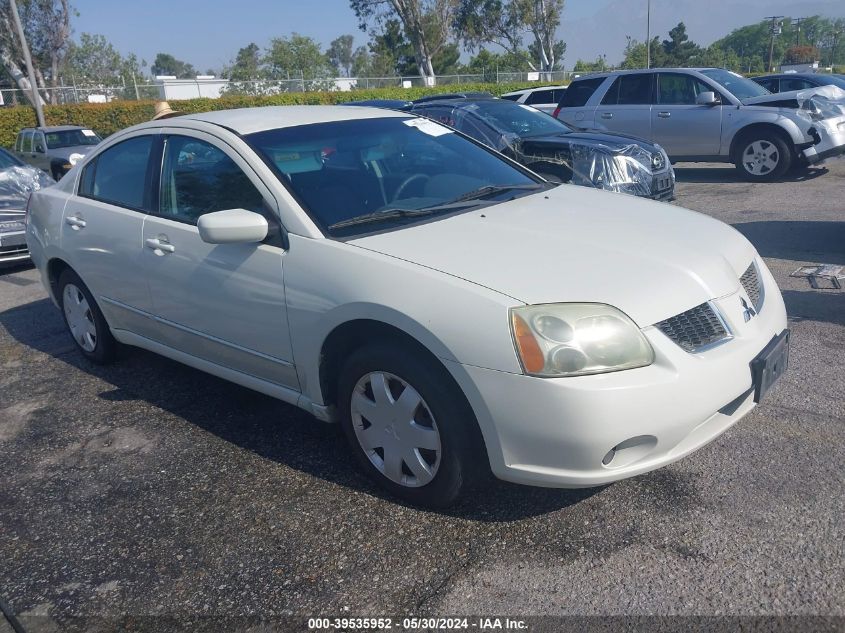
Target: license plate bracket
770, 364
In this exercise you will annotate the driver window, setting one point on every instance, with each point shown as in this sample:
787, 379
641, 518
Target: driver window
680, 89
199, 178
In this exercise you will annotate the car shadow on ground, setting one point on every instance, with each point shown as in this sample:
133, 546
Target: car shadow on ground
816, 242
728, 173
816, 305
267, 427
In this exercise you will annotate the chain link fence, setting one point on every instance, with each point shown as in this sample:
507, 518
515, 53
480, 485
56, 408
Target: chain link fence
214, 87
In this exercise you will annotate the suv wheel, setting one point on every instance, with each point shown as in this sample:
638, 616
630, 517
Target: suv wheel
763, 157
84, 321
407, 426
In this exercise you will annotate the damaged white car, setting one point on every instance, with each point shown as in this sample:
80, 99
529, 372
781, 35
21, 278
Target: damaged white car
713, 115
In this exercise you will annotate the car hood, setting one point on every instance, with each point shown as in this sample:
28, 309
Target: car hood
65, 152
799, 96
590, 137
16, 183
574, 244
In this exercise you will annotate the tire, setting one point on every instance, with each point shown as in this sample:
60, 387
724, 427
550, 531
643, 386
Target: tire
84, 320
763, 157
447, 453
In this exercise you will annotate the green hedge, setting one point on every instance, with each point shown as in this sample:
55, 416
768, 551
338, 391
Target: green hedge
108, 118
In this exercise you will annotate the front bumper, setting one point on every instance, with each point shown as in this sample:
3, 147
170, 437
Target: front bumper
830, 140
560, 432
13, 248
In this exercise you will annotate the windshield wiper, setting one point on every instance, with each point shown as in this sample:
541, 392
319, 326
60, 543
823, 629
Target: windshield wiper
393, 213
489, 190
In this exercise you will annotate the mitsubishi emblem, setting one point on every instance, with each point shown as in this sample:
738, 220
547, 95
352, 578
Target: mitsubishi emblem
747, 310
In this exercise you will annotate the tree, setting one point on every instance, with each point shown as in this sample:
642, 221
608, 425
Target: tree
166, 64
678, 48
427, 24
497, 22
340, 53
247, 64
542, 17
360, 62
93, 61
46, 24
296, 57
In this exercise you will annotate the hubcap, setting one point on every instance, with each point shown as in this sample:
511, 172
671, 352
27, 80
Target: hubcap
79, 318
396, 429
760, 158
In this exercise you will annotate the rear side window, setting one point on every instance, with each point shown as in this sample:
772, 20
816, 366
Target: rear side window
26, 146
629, 90
795, 83
579, 92
119, 174
541, 96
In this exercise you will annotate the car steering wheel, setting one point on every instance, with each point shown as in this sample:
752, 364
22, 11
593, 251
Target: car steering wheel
412, 178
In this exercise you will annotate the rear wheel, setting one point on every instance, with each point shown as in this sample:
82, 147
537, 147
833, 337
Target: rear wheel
84, 321
763, 157
408, 425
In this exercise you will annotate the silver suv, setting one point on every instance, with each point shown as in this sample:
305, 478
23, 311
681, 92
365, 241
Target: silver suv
712, 115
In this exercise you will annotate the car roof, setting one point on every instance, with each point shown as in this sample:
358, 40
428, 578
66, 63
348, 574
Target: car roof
455, 95
788, 75
527, 90
55, 128
614, 73
251, 120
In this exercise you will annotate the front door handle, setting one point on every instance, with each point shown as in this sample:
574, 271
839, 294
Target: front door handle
664, 115
607, 115
159, 245
75, 222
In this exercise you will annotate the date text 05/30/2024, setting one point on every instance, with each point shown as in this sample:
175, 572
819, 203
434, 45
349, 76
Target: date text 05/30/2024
412, 624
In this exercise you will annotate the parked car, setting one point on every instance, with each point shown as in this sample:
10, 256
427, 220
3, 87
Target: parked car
17, 182
556, 151
789, 82
710, 115
446, 306
54, 149
544, 99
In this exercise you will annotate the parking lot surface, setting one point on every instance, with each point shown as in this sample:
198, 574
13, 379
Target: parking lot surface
148, 488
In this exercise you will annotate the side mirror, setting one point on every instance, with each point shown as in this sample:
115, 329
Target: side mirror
40, 149
707, 98
233, 226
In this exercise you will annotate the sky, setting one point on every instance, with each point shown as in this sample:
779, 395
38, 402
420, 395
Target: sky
208, 33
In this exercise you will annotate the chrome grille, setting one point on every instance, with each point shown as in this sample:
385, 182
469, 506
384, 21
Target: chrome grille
751, 282
694, 329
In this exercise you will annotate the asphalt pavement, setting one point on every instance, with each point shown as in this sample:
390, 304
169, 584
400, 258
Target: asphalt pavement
149, 490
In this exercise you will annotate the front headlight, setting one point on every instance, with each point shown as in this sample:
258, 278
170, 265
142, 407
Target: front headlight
75, 158
575, 339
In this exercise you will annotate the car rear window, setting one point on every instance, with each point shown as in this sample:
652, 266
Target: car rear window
629, 90
512, 97
579, 92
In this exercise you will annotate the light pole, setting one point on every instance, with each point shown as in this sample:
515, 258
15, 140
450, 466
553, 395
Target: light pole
36, 97
648, 34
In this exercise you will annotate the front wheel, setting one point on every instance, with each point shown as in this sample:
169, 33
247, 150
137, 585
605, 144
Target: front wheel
84, 321
408, 425
763, 157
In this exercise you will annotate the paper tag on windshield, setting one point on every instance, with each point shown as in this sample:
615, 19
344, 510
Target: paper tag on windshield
429, 127
88, 133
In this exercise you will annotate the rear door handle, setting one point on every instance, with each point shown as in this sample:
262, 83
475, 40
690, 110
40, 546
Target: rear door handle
664, 115
75, 222
607, 115
158, 244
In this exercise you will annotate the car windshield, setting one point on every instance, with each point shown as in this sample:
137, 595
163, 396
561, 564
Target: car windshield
830, 80
71, 138
515, 118
737, 85
366, 175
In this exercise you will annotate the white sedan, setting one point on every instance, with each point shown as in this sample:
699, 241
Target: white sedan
455, 313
